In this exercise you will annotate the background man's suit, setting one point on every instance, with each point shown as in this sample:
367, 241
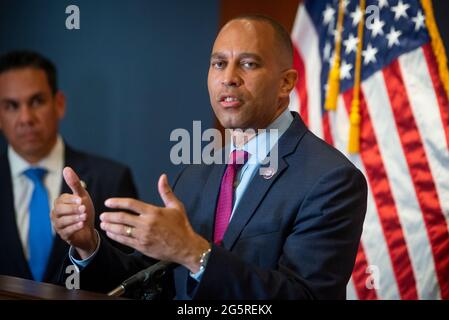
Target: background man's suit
104, 179
293, 236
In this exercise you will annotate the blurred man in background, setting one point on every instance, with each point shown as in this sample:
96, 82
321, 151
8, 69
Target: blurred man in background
31, 107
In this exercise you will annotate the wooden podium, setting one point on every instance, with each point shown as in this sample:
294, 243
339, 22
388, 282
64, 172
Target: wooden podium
12, 288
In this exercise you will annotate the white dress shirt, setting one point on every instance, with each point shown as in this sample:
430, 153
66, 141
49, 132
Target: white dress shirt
258, 147
23, 187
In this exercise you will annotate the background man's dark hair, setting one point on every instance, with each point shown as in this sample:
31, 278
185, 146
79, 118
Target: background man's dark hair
30, 59
282, 36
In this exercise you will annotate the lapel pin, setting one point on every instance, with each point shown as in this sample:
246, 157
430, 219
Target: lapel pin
267, 173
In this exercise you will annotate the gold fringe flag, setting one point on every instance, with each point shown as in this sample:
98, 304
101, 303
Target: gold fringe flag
354, 117
437, 44
333, 82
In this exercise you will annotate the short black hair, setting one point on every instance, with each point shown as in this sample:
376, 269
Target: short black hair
281, 34
30, 59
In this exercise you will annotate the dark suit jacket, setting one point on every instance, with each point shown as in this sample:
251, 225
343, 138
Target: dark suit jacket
293, 236
104, 179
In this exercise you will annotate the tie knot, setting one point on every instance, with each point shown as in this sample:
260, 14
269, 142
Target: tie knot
239, 157
35, 174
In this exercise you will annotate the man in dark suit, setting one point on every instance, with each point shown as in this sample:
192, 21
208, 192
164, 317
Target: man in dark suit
239, 230
30, 109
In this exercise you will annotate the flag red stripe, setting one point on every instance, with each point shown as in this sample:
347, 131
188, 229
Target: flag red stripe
359, 276
301, 85
440, 93
385, 204
327, 135
420, 173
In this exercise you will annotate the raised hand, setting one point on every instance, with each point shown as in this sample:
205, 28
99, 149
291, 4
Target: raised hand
73, 216
159, 232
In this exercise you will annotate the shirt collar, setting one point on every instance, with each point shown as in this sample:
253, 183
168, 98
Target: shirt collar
263, 142
50, 162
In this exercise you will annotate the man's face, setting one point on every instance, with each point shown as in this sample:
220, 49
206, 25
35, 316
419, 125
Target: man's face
29, 112
246, 78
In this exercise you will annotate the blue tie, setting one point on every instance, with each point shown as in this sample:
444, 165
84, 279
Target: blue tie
40, 237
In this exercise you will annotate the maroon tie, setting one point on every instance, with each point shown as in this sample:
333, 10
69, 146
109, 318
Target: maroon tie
225, 199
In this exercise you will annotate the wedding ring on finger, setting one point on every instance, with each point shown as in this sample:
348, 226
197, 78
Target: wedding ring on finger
129, 231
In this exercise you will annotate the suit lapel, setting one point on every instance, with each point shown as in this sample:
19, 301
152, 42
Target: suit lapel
259, 186
256, 191
9, 232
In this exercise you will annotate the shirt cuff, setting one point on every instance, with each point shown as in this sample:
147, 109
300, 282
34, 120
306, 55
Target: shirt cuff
203, 261
81, 264
197, 276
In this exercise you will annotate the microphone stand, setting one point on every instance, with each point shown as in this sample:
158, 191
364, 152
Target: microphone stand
153, 274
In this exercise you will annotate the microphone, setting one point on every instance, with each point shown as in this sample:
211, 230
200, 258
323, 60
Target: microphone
154, 271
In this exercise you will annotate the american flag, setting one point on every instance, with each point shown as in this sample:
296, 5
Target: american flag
404, 138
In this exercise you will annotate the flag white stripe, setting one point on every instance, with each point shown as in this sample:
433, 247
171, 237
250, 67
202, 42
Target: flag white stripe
309, 49
402, 188
376, 251
350, 290
373, 238
426, 111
